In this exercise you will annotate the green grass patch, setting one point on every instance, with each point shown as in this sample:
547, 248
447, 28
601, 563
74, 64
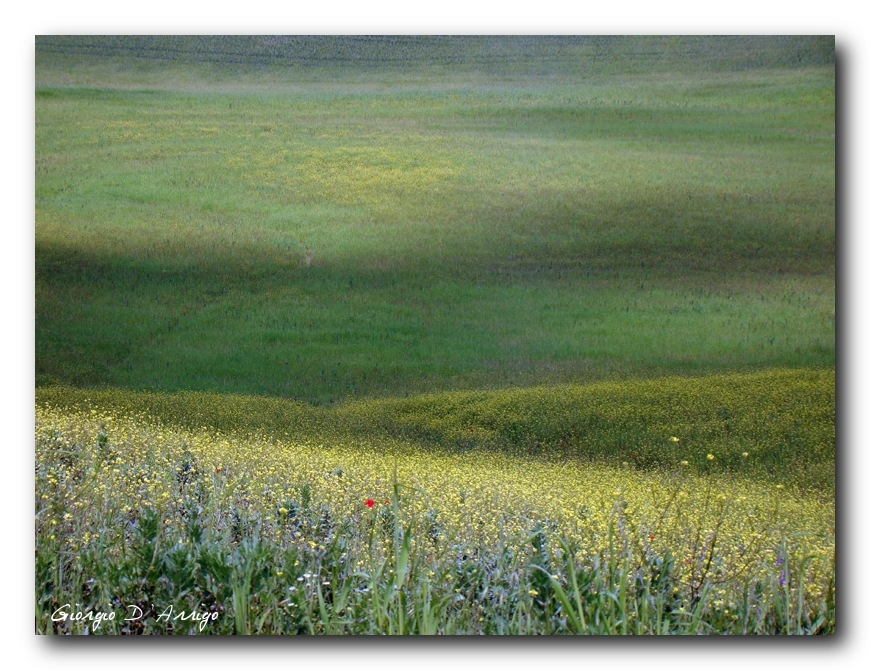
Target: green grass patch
531, 230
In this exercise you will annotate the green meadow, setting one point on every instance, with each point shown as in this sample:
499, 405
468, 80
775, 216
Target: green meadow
536, 253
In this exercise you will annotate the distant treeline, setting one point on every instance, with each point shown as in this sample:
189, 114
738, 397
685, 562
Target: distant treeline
524, 54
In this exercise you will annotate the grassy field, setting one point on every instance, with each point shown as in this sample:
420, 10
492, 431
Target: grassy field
402, 258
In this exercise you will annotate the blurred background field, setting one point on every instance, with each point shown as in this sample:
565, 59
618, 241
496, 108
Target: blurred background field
613, 208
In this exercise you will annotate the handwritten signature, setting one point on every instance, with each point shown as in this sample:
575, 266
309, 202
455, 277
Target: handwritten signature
95, 619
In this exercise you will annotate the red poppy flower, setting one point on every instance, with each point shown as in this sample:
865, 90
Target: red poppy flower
370, 503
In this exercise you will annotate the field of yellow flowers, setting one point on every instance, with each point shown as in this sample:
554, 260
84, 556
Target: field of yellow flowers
265, 517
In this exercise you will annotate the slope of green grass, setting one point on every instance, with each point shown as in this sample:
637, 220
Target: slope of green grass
521, 230
783, 420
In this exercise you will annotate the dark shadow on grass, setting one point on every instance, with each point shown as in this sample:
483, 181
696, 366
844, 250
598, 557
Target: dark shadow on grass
101, 316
